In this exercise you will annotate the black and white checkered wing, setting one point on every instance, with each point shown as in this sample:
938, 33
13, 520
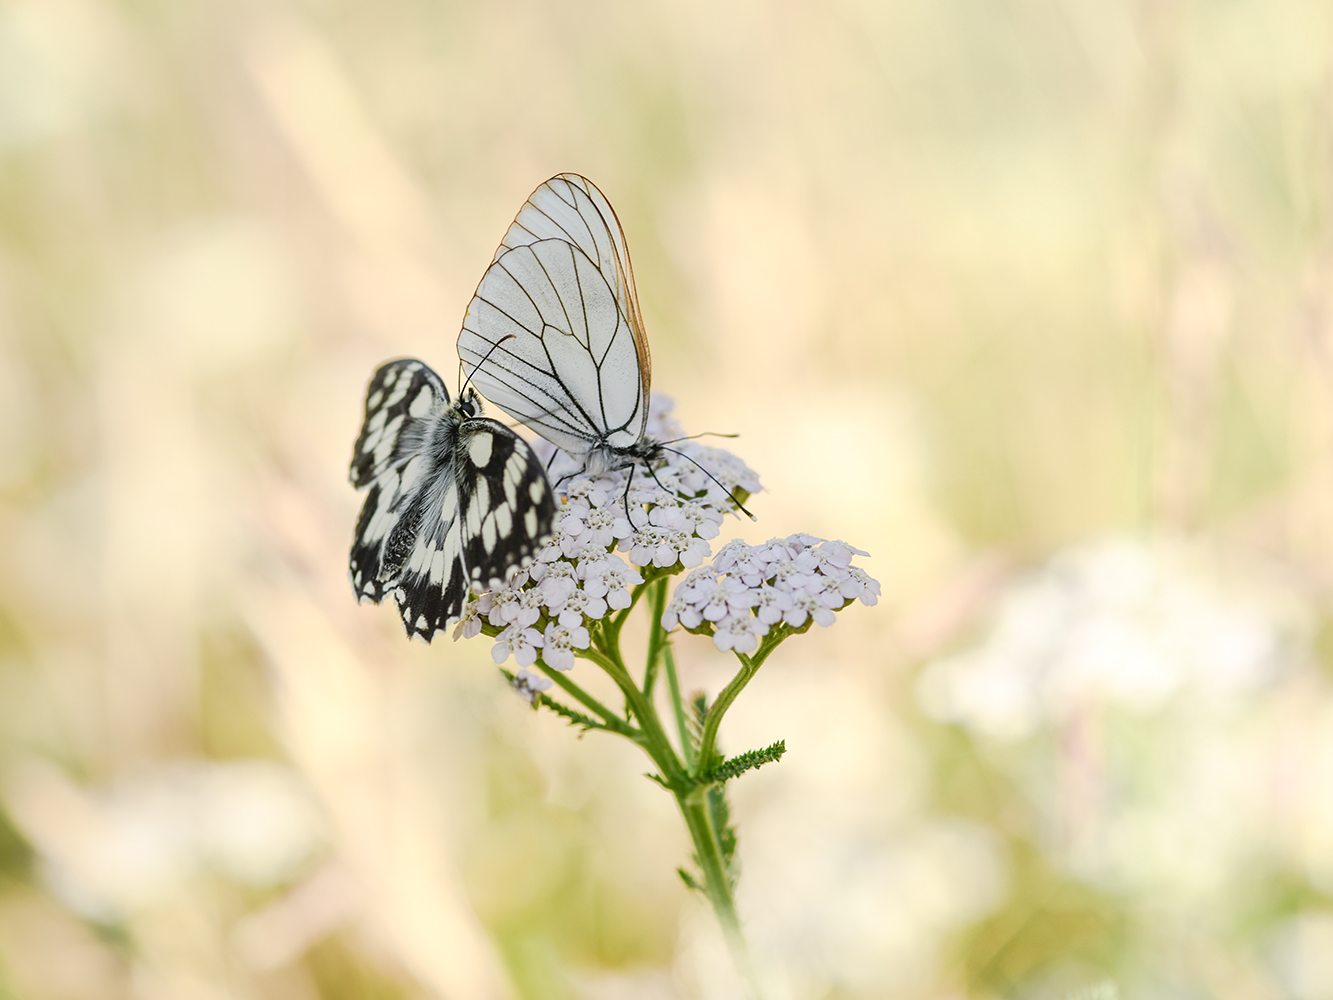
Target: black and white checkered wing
400, 393
450, 499
411, 505
506, 504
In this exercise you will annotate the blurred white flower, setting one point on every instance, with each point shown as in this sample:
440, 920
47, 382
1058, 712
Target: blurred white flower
1301, 951
1180, 734
1127, 622
109, 851
529, 685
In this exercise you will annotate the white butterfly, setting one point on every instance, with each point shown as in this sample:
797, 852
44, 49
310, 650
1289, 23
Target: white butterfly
554, 330
455, 499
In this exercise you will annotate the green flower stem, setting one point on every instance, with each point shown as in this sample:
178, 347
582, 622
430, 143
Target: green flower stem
692, 799
749, 667
653, 737
656, 635
612, 720
717, 885
611, 628
678, 706
650, 735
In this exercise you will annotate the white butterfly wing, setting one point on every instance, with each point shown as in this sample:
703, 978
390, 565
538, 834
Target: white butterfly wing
570, 207
554, 328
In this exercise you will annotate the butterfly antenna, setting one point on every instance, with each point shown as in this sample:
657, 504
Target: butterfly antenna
739, 506
463, 388
695, 437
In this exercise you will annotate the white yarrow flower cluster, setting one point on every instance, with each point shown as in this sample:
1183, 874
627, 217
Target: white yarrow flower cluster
749, 589
606, 531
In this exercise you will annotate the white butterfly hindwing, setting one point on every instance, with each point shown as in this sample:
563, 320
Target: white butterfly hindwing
454, 499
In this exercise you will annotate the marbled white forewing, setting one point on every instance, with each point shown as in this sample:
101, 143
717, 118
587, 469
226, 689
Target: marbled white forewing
388, 457
454, 499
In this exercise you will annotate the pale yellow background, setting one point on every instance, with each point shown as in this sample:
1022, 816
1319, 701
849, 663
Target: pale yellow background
979, 284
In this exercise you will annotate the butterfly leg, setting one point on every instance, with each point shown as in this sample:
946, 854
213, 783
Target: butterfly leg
653, 472
629, 481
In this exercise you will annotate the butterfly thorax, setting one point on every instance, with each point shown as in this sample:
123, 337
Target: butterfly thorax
441, 429
604, 457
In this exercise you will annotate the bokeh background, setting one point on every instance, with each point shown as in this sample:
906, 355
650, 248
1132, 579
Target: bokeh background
1032, 299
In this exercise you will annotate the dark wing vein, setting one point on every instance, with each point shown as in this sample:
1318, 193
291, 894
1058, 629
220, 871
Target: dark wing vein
551, 373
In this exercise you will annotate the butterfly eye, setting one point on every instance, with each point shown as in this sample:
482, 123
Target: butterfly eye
469, 404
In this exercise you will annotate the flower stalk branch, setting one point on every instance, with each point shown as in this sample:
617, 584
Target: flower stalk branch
616, 545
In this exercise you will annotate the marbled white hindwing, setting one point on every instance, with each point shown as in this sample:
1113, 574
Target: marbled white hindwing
454, 499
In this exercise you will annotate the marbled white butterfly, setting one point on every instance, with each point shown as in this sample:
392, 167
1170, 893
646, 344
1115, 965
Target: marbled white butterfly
455, 500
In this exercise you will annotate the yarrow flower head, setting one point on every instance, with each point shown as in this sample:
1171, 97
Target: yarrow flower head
750, 589
612, 533
616, 531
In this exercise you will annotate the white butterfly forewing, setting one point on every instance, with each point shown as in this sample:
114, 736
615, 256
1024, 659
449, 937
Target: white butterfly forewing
570, 207
575, 366
570, 371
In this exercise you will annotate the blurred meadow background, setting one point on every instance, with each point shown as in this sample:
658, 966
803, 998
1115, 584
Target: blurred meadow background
1032, 300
